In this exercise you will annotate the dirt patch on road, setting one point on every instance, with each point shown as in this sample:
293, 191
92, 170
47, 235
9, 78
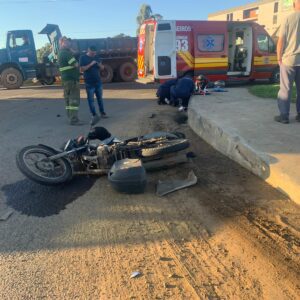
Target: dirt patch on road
252, 230
231, 236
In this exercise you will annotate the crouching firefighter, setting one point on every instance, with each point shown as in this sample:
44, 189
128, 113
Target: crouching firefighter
163, 92
69, 69
183, 90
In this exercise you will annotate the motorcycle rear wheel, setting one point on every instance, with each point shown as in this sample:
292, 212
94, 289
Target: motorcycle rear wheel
33, 162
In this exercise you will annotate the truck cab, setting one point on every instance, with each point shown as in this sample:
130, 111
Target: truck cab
18, 60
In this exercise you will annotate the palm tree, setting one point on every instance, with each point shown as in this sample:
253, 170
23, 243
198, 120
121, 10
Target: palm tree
144, 14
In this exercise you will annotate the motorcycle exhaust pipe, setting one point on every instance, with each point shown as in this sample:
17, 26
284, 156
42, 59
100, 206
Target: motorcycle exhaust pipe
92, 172
149, 166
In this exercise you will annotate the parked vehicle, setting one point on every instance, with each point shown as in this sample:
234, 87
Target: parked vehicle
80, 156
118, 54
220, 50
18, 61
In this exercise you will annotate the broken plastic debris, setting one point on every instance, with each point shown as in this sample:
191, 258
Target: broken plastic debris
135, 274
166, 187
4, 216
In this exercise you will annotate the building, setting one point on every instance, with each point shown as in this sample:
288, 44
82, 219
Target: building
268, 13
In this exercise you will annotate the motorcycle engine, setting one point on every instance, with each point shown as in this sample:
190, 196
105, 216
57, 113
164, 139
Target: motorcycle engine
103, 156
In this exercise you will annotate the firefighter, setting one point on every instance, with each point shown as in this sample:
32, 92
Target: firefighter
201, 84
69, 69
183, 90
163, 92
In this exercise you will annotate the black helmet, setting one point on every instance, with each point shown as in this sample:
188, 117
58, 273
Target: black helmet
201, 78
220, 83
99, 133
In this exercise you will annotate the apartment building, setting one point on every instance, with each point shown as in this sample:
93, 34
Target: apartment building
269, 13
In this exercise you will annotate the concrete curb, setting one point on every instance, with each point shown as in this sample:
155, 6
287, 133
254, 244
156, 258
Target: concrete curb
236, 148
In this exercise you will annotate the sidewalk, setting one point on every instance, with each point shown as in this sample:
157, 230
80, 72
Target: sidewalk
241, 126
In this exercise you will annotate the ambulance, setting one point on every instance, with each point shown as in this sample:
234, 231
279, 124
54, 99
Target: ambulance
220, 50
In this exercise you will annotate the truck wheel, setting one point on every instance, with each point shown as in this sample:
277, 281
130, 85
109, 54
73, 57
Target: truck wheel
49, 80
127, 71
275, 78
11, 78
107, 74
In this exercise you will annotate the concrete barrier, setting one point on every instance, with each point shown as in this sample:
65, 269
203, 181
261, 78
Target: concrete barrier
275, 168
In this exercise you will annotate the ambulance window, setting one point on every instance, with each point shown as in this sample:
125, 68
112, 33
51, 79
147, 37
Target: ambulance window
263, 42
164, 26
211, 43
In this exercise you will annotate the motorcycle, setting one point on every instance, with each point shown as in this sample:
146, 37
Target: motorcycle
96, 153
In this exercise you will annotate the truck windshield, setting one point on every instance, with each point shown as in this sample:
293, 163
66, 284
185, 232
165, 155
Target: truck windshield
18, 40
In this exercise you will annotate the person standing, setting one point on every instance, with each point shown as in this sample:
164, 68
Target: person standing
69, 69
91, 65
288, 55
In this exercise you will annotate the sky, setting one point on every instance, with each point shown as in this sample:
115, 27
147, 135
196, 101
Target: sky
97, 18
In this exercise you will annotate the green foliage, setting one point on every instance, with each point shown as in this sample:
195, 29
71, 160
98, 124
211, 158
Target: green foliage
268, 91
144, 14
157, 17
42, 52
121, 35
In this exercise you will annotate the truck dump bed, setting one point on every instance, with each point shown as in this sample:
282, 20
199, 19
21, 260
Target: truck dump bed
108, 47
117, 54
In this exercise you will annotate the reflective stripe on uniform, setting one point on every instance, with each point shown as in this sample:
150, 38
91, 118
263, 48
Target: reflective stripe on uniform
72, 107
62, 69
72, 60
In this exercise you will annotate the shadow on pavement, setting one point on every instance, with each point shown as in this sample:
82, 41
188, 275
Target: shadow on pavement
32, 199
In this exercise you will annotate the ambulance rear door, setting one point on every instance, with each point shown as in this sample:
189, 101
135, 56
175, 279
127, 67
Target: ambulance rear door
165, 50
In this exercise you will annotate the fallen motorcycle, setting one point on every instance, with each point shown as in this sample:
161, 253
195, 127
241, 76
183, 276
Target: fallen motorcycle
96, 153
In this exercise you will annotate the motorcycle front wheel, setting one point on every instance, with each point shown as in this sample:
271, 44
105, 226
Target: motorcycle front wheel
34, 163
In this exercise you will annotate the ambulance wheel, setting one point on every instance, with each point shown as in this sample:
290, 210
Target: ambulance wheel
127, 71
275, 78
107, 74
11, 78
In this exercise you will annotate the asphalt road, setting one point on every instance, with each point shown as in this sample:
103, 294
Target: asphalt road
229, 237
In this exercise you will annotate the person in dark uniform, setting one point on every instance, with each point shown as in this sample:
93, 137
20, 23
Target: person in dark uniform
201, 83
183, 90
163, 93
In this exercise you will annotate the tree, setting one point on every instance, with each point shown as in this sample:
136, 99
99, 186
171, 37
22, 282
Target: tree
121, 35
144, 14
157, 17
42, 52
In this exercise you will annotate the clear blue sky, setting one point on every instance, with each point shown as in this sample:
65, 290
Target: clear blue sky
97, 18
